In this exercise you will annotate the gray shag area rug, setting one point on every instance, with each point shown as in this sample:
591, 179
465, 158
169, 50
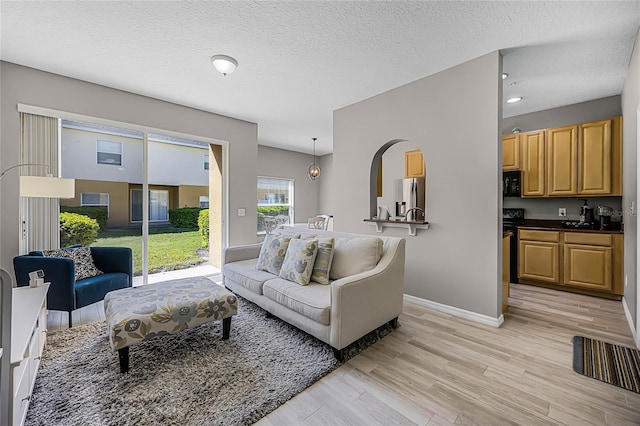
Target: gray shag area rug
187, 378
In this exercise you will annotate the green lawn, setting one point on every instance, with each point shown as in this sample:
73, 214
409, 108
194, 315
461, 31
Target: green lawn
169, 248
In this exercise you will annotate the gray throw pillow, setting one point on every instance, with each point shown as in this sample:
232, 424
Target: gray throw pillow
272, 253
84, 264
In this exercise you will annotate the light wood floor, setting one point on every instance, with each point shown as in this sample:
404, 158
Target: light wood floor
437, 369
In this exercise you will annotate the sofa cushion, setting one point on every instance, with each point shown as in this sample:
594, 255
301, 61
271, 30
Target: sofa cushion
272, 253
322, 265
313, 300
82, 259
245, 273
299, 260
353, 255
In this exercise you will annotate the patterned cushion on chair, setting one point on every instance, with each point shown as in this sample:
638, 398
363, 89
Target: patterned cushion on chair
84, 265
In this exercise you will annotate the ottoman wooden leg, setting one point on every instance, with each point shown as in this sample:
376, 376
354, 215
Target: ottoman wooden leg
226, 328
123, 356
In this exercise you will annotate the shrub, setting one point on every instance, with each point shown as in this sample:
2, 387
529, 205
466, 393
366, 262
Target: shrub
77, 229
186, 217
203, 227
97, 213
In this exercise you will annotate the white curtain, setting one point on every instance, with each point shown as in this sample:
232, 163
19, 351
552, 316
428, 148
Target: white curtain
39, 217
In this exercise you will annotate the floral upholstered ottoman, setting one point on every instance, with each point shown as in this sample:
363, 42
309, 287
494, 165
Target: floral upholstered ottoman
142, 313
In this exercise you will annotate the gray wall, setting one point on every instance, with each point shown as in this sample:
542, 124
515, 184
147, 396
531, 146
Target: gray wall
456, 261
598, 109
327, 184
32, 87
630, 107
274, 162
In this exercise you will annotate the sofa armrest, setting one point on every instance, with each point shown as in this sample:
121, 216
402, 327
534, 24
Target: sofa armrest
237, 253
114, 259
59, 271
360, 303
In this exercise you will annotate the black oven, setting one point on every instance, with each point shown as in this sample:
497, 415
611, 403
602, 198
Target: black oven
511, 183
511, 219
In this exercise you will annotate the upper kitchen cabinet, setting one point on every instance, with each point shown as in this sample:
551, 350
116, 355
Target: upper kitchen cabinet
594, 165
562, 159
533, 163
571, 161
511, 152
414, 164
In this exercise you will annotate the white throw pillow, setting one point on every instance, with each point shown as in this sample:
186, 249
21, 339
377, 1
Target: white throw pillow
299, 260
272, 253
353, 255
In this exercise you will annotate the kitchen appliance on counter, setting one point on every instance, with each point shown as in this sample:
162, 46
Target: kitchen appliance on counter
511, 219
604, 217
587, 220
511, 183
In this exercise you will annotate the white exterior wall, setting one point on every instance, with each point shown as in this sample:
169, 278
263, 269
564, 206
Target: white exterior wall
177, 165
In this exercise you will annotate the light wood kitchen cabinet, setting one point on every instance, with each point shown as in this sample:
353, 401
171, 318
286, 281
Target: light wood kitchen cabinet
539, 260
562, 161
594, 163
533, 163
590, 263
414, 164
511, 152
588, 266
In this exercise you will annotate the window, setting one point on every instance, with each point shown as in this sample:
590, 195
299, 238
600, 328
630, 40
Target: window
275, 196
109, 153
206, 161
158, 205
95, 199
204, 201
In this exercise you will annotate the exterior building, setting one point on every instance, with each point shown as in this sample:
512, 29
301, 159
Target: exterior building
108, 167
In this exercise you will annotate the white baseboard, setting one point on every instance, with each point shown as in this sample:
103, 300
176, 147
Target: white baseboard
627, 312
462, 313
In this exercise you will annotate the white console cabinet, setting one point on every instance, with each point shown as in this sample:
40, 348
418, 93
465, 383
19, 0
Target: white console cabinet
28, 337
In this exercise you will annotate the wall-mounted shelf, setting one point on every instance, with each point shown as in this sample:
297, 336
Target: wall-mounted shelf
412, 225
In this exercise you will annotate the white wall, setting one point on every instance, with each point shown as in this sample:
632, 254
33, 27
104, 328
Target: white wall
32, 87
630, 104
454, 118
327, 184
280, 163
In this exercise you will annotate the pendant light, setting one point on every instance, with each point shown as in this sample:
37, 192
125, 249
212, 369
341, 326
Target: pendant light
314, 169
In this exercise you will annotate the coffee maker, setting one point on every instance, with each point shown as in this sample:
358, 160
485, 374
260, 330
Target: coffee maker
604, 217
586, 214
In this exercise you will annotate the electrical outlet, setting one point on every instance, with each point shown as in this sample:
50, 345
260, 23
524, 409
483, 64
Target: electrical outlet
562, 211
242, 212
625, 281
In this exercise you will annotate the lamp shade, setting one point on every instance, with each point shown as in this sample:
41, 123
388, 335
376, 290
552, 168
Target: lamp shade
47, 187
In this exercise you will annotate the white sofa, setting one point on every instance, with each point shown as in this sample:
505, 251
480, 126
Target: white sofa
338, 313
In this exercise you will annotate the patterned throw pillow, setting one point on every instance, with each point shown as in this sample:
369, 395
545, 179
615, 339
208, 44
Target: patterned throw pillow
272, 253
322, 265
298, 262
84, 265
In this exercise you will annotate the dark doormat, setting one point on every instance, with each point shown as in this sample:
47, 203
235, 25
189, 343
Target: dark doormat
609, 363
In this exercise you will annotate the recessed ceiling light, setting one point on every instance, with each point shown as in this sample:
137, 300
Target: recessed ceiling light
514, 100
224, 64
504, 75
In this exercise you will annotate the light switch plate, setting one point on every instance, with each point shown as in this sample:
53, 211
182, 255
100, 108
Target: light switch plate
242, 212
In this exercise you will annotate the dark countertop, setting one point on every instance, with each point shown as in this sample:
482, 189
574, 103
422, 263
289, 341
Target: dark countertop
556, 225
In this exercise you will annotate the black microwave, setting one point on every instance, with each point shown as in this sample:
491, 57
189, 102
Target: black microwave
511, 181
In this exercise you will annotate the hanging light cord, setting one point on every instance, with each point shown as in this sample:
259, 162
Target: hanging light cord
314, 151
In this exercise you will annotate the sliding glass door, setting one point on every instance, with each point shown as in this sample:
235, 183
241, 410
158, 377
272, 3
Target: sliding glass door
158, 205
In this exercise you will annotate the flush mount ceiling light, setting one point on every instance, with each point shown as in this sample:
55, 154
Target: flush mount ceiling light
314, 169
224, 64
504, 75
514, 100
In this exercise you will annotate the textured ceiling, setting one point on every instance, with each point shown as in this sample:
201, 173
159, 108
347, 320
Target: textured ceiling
300, 61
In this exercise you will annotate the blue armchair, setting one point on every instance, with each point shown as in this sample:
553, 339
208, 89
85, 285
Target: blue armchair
67, 294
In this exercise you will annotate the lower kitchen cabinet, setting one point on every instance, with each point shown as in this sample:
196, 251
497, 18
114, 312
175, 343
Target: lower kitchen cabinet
589, 263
